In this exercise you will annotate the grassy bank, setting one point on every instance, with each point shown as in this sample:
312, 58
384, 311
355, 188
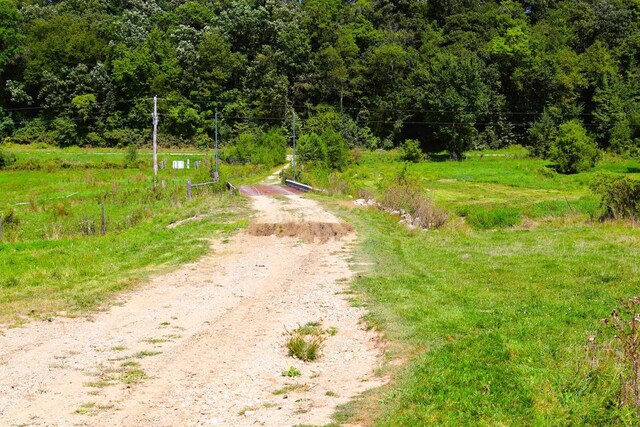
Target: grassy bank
53, 257
491, 322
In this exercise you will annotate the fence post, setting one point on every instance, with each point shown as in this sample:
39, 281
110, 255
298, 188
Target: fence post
104, 222
163, 185
188, 189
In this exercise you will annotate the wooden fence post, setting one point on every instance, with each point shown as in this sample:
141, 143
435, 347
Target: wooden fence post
104, 222
188, 189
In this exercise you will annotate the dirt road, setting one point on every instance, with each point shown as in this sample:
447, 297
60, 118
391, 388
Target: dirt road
203, 345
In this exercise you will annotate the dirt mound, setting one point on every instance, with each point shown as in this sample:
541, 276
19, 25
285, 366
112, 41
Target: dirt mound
308, 231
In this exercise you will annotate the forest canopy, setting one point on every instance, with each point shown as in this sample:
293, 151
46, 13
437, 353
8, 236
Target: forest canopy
454, 74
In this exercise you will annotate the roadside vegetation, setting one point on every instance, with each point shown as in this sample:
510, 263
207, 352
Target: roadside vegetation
496, 145
497, 315
53, 256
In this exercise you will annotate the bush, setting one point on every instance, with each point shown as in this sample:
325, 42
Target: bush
338, 154
10, 218
573, 150
262, 148
122, 137
311, 148
620, 196
541, 135
64, 132
271, 150
406, 194
412, 151
131, 158
94, 140
34, 131
6, 159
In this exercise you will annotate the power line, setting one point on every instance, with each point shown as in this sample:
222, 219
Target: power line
373, 109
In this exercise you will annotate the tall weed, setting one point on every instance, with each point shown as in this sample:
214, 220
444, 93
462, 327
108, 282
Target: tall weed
620, 196
406, 196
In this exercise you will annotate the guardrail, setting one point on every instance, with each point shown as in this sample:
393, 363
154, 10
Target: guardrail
298, 185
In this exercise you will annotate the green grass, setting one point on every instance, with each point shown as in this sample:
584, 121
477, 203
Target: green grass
55, 260
490, 189
292, 388
490, 319
292, 372
495, 322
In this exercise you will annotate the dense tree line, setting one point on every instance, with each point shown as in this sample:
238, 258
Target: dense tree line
452, 74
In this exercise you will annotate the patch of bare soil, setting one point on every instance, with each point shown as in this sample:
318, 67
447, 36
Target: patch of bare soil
204, 344
320, 232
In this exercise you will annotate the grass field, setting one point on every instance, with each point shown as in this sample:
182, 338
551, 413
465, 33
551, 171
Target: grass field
492, 319
52, 255
489, 315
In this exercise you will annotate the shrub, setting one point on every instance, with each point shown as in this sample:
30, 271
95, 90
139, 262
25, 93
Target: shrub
6, 159
10, 218
338, 154
33, 131
271, 149
620, 196
573, 150
263, 148
412, 151
311, 148
541, 135
624, 351
64, 132
94, 140
406, 195
131, 158
122, 137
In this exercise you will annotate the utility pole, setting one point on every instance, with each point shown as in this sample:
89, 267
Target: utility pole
155, 141
217, 176
294, 145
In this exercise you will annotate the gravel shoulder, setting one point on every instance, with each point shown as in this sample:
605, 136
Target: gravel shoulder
204, 344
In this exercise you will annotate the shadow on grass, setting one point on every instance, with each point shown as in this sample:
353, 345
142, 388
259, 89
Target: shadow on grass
439, 157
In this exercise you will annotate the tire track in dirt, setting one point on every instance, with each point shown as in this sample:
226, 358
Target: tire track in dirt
205, 342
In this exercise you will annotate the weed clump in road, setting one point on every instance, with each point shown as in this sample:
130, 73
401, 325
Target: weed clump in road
305, 343
292, 372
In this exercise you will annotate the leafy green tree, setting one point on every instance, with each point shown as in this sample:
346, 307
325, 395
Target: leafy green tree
573, 150
312, 148
412, 151
10, 36
338, 155
64, 132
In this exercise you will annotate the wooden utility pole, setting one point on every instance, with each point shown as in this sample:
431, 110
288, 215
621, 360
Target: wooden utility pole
155, 141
